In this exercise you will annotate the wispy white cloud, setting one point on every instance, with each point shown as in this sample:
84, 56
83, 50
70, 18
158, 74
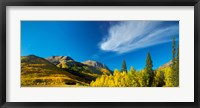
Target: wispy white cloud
131, 35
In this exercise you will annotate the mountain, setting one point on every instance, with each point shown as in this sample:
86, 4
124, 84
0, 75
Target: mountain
97, 66
165, 65
36, 71
76, 68
59, 60
89, 67
63, 61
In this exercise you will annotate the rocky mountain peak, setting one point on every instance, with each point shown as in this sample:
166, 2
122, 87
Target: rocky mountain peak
95, 64
56, 59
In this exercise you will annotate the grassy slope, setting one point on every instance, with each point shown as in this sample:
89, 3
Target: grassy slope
40, 72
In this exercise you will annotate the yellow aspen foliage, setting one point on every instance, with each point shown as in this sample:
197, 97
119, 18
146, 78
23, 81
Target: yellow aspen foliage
133, 78
168, 77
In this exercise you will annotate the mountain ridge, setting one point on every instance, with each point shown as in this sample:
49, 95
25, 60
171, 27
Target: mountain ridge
95, 64
91, 66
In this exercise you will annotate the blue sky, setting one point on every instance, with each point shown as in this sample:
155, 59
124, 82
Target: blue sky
108, 42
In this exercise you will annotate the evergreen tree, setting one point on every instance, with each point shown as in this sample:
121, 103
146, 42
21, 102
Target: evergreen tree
176, 73
175, 64
148, 69
149, 63
173, 53
177, 60
177, 55
124, 68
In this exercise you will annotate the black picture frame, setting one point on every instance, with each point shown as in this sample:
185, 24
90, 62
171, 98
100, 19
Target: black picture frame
4, 3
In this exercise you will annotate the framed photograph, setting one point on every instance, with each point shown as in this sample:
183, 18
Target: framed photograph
72, 53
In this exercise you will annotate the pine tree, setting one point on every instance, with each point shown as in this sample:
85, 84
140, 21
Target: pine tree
176, 74
148, 69
177, 54
177, 60
175, 64
149, 63
124, 68
173, 53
